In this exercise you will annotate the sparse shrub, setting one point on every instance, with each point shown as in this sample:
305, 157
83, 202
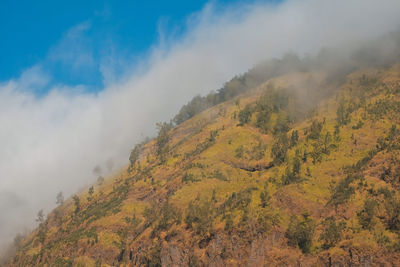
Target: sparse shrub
60, 198
342, 192
315, 130
245, 115
154, 256
332, 233
199, 216
300, 232
294, 138
169, 215
239, 152
40, 217
342, 113
282, 124
392, 207
163, 139
228, 223
366, 217
263, 118
327, 145
187, 178
265, 198
358, 125
217, 174
316, 152
90, 193
134, 156
280, 148
258, 151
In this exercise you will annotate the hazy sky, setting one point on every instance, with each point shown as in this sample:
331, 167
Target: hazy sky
37, 31
54, 131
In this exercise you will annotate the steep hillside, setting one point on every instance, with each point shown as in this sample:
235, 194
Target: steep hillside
299, 171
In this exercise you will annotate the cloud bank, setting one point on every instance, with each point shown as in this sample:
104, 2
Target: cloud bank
52, 142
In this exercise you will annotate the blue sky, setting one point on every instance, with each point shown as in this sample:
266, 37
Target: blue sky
85, 42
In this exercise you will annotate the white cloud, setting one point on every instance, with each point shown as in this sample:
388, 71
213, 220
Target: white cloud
52, 143
74, 50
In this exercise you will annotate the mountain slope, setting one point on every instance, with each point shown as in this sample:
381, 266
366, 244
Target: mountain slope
299, 171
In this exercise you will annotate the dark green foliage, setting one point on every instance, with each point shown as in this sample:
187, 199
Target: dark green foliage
169, 215
300, 232
238, 200
239, 152
228, 223
342, 113
292, 175
332, 233
109, 204
389, 142
294, 138
134, 156
342, 192
154, 256
133, 221
187, 178
366, 81
42, 226
358, 125
245, 115
336, 133
296, 166
280, 148
163, 137
366, 217
327, 139
199, 216
263, 117
392, 207
316, 152
77, 204
150, 213
273, 100
265, 198
234, 87
257, 152
61, 262
217, 174
204, 145
90, 193
194, 261
195, 106
282, 124
315, 130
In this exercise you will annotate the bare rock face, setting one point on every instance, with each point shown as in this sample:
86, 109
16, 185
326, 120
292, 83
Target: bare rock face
257, 253
215, 251
172, 256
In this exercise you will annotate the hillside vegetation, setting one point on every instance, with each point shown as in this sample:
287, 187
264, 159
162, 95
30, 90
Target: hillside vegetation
302, 169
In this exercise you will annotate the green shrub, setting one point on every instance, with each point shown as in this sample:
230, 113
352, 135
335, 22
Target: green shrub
300, 232
280, 148
366, 217
245, 115
342, 192
332, 232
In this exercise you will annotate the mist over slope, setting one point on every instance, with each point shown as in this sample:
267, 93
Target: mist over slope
53, 142
301, 170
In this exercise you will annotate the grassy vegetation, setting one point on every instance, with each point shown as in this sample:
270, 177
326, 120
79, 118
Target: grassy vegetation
312, 179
